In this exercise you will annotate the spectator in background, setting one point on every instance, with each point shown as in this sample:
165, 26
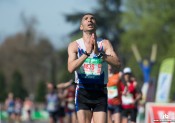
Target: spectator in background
114, 95
53, 103
146, 67
131, 97
10, 107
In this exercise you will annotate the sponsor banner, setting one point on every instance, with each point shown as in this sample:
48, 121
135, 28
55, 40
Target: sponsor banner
164, 80
160, 113
40, 115
3, 115
36, 115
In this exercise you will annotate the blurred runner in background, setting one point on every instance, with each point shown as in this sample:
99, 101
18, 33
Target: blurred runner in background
10, 107
114, 95
131, 98
62, 93
53, 103
70, 104
18, 109
27, 108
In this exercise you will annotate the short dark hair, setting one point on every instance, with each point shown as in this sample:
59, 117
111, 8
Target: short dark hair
87, 14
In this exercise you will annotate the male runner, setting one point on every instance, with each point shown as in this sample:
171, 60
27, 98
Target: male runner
114, 86
53, 103
131, 98
88, 57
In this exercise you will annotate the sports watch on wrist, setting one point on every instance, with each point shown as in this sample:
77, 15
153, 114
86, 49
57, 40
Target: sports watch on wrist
88, 54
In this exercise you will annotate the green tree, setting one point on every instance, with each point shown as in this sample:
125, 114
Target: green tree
29, 53
3, 87
146, 23
63, 75
41, 92
17, 86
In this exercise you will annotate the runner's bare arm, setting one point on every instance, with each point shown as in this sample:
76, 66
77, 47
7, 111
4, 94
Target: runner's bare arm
111, 57
65, 85
138, 97
73, 61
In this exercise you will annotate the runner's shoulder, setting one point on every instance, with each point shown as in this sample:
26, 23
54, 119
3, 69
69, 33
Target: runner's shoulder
106, 42
73, 45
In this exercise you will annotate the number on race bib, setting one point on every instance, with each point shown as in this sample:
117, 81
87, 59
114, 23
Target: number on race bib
112, 92
92, 66
127, 99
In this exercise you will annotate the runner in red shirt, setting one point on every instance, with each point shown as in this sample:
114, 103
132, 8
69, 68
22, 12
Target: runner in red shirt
130, 98
70, 104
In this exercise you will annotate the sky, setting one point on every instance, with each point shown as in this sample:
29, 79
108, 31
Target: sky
49, 14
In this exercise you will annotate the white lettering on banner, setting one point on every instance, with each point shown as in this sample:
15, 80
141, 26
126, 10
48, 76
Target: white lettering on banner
165, 117
168, 115
160, 113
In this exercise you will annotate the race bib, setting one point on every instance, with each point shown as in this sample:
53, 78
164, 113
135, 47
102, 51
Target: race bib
51, 106
71, 106
11, 109
112, 92
92, 66
127, 99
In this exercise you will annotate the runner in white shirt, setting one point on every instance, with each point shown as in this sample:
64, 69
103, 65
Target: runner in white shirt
88, 58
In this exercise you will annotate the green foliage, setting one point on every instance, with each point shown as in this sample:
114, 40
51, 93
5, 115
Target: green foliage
30, 53
17, 86
3, 87
63, 75
41, 92
146, 23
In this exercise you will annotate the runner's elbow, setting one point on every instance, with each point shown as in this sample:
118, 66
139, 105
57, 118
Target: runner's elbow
70, 69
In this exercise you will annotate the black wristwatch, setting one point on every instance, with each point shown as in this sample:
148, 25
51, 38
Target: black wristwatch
88, 54
100, 55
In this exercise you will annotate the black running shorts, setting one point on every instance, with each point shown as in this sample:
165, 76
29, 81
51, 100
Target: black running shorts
131, 112
93, 99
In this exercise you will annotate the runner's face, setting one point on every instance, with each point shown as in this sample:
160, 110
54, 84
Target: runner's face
127, 77
88, 23
50, 87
